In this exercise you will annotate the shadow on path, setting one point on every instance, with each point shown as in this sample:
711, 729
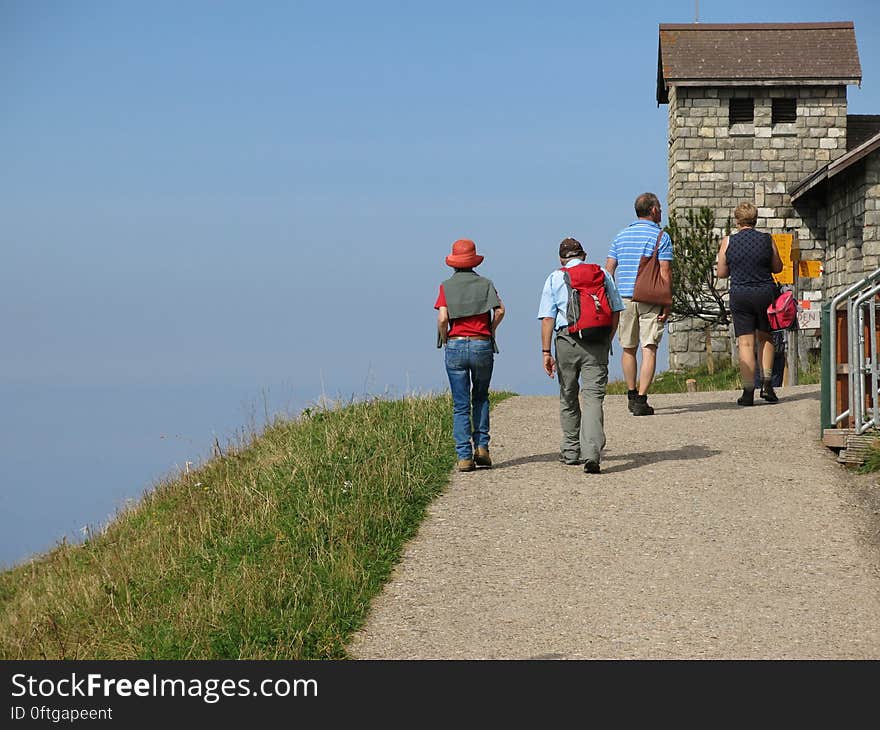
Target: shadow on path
732, 404
633, 461
533, 459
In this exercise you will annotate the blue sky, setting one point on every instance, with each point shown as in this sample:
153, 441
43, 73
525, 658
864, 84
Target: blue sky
242, 197
265, 191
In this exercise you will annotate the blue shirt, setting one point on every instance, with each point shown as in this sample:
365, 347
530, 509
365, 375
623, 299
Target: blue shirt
554, 296
628, 247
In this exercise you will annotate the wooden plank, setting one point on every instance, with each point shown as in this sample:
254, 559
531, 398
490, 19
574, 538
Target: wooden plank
857, 448
835, 438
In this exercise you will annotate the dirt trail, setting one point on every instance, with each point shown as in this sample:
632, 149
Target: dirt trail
714, 531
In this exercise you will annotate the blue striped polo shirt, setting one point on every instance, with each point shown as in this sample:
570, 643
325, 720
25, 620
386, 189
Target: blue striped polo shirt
628, 247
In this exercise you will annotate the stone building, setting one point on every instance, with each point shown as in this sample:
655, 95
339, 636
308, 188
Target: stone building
759, 112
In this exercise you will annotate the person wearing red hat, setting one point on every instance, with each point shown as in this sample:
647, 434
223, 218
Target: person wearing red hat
469, 312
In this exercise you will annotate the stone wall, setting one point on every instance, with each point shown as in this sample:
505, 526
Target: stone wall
714, 164
850, 205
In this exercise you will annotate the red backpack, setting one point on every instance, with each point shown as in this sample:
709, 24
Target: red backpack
782, 312
588, 311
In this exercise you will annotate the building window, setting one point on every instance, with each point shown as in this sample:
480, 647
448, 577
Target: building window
742, 111
784, 111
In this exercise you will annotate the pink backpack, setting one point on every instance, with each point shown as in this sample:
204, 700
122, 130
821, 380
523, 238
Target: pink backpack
782, 312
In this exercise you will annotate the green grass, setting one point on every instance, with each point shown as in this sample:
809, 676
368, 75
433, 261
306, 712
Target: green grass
872, 459
272, 551
725, 377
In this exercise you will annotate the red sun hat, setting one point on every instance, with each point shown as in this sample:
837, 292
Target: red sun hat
464, 255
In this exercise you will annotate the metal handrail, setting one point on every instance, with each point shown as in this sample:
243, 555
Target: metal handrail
832, 343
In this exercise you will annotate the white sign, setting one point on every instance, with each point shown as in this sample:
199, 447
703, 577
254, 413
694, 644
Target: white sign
810, 319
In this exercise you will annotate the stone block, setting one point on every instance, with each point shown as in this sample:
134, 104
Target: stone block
759, 167
770, 154
826, 143
706, 132
823, 155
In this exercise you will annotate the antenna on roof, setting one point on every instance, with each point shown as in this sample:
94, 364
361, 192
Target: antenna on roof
697, 11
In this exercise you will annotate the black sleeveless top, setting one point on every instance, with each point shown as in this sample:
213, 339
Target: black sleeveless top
750, 257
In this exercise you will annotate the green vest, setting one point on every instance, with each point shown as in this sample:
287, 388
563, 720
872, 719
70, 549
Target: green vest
467, 295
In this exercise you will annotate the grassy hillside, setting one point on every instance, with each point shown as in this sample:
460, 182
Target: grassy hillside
271, 552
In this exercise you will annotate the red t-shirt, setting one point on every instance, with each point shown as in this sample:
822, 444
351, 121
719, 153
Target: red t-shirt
479, 324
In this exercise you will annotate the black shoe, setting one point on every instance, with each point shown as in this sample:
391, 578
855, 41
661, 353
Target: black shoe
591, 467
768, 394
747, 398
631, 395
640, 406
568, 461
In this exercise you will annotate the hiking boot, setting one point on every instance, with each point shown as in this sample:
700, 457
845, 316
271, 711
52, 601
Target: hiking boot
591, 467
466, 465
481, 456
631, 396
767, 392
747, 398
569, 460
640, 406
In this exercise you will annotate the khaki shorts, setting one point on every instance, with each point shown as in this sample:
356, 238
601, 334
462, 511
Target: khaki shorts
639, 325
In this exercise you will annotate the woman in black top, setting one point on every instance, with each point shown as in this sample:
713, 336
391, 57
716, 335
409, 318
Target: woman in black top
749, 257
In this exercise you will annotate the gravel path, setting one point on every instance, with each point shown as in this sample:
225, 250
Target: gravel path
694, 542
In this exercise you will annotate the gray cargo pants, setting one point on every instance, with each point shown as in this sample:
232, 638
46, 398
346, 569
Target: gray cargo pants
583, 422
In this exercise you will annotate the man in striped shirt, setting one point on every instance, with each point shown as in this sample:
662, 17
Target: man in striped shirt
640, 323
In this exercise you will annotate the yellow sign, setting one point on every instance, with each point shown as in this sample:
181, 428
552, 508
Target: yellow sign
784, 243
810, 269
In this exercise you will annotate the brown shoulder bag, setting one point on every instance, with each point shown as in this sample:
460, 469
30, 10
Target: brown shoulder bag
650, 288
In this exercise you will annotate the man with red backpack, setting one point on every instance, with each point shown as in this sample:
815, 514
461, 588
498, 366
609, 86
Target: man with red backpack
579, 311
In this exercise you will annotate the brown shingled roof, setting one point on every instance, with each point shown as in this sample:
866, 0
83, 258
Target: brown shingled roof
860, 128
723, 54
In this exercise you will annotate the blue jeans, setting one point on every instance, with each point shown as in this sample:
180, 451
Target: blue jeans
469, 367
